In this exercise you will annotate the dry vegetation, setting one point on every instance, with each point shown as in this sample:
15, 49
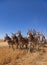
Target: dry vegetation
22, 57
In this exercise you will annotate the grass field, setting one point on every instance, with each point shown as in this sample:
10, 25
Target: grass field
22, 57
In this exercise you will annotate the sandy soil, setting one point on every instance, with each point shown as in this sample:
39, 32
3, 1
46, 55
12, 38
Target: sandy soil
8, 56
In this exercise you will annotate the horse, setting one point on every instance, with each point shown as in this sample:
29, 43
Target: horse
22, 40
9, 41
40, 39
31, 40
15, 39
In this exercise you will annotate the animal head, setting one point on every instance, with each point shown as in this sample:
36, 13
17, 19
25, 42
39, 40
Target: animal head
19, 33
6, 36
29, 32
14, 37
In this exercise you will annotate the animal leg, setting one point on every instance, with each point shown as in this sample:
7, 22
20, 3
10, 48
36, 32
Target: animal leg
20, 45
26, 46
29, 46
13, 47
17, 46
9, 45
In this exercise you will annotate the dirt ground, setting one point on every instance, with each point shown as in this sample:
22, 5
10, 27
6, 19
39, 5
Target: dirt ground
8, 56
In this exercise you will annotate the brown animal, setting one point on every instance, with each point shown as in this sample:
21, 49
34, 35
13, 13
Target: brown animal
31, 40
15, 39
9, 41
22, 41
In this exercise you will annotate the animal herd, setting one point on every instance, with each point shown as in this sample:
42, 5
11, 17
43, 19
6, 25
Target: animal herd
32, 40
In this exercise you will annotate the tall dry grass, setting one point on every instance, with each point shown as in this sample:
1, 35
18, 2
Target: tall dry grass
8, 56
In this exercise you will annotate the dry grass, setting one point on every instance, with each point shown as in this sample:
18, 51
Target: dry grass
1, 40
21, 57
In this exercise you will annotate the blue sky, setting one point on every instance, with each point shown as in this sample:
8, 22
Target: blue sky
23, 15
